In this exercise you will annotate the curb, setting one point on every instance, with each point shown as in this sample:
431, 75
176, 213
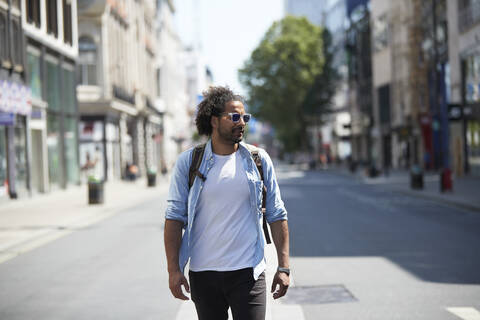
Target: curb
439, 199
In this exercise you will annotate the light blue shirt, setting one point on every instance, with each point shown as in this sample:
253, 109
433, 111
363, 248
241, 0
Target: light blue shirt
182, 203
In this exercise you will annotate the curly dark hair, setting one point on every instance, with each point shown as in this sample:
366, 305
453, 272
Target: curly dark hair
213, 104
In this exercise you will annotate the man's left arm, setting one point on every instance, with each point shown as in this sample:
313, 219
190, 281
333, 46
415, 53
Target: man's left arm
276, 215
281, 280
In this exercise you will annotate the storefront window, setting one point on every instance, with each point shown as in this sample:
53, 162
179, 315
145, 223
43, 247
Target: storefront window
73, 174
69, 91
20, 154
53, 93
34, 73
53, 145
3, 161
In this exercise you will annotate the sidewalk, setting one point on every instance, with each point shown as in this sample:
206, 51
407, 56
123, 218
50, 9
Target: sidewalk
465, 194
31, 222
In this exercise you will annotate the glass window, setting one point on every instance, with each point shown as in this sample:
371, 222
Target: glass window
73, 174
34, 73
53, 145
20, 154
68, 91
52, 19
3, 35
67, 21
87, 61
33, 12
53, 94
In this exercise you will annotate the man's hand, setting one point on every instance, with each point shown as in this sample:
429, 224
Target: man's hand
280, 284
175, 281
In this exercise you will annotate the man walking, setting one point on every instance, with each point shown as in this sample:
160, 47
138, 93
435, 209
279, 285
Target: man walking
221, 215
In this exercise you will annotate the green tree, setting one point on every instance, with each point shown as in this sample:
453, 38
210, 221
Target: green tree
279, 75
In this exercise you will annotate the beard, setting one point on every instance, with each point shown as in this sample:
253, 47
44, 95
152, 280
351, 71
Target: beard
233, 136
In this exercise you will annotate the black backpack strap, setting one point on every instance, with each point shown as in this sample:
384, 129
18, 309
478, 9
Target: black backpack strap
258, 162
197, 156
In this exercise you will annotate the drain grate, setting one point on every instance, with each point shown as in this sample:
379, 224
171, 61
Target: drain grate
318, 295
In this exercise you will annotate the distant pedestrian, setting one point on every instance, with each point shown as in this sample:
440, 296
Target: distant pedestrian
221, 213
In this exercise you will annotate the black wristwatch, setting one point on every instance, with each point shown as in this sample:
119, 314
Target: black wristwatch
284, 270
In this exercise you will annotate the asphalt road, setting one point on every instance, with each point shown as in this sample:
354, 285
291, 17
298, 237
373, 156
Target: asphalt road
398, 257
358, 252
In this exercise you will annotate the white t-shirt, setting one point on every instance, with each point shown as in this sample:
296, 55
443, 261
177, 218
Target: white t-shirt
224, 233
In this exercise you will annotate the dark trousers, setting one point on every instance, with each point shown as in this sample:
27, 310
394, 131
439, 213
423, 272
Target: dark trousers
213, 292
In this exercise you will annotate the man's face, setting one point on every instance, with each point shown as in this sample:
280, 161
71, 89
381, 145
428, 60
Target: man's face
229, 131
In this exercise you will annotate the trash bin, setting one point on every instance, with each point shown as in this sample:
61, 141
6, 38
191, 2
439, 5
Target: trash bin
151, 179
95, 192
446, 183
416, 178
372, 171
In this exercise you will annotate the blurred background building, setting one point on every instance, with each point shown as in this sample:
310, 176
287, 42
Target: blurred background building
331, 136
88, 88
117, 87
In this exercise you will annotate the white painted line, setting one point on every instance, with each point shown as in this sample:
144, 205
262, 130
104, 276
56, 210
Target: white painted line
465, 313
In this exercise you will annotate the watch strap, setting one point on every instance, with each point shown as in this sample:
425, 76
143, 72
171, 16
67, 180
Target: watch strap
284, 270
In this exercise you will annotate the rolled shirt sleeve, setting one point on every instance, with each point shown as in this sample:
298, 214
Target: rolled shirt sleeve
275, 208
177, 201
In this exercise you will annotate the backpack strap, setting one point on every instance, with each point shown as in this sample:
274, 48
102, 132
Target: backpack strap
197, 156
258, 162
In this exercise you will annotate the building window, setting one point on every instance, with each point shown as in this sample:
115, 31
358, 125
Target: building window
87, 58
384, 103
70, 143
33, 12
380, 33
53, 82
68, 90
3, 36
67, 21
33, 63
52, 19
53, 146
17, 45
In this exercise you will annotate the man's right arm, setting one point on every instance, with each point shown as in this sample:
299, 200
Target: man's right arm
173, 240
176, 217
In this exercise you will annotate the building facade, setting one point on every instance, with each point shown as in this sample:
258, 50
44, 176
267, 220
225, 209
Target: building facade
15, 104
464, 59
116, 87
337, 131
171, 95
52, 51
39, 52
359, 61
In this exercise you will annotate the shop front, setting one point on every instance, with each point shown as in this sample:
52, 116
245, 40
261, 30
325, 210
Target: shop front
62, 123
100, 155
15, 106
471, 112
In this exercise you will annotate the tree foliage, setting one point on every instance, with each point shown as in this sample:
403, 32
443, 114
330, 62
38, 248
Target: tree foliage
280, 74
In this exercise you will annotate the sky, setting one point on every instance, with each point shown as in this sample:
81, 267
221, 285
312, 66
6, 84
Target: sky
229, 30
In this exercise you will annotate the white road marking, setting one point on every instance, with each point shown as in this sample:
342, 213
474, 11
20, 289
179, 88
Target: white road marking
275, 309
465, 313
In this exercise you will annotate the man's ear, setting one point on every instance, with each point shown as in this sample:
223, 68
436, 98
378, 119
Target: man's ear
214, 122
